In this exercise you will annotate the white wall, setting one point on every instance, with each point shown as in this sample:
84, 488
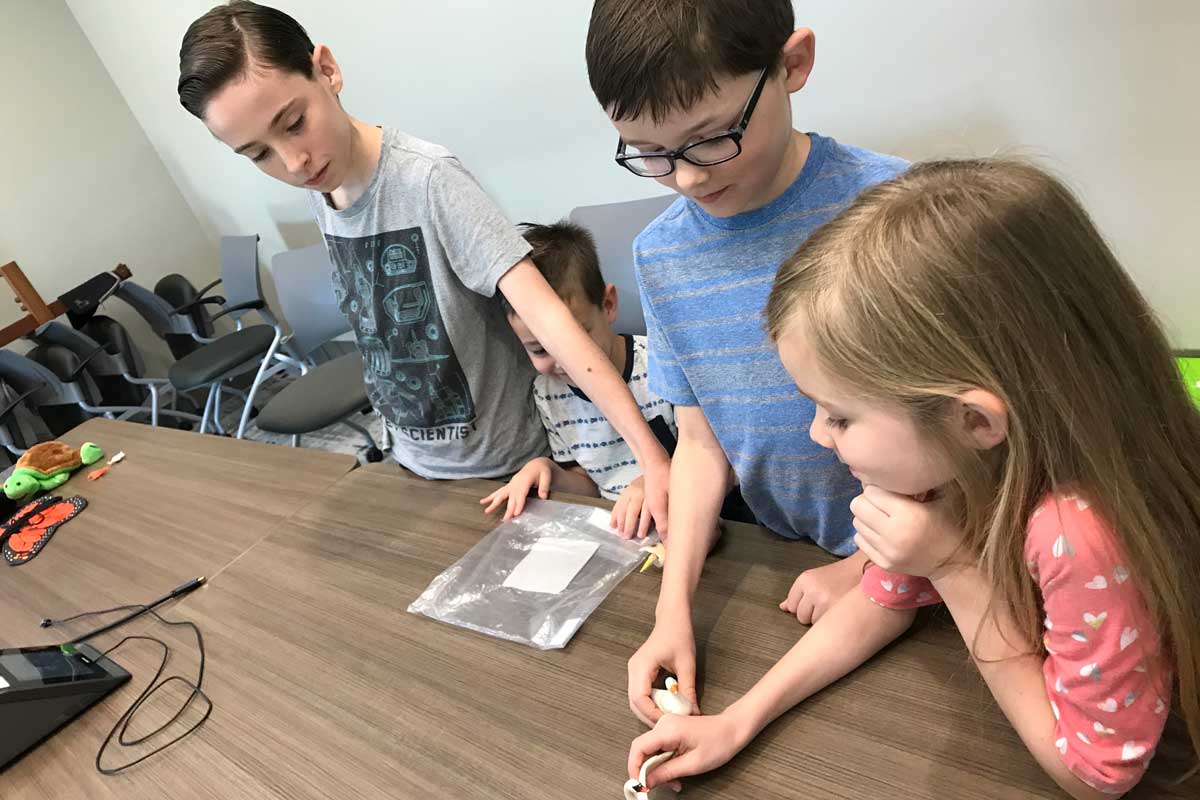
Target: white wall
1104, 88
81, 187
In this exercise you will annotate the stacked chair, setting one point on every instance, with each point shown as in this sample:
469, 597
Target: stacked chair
92, 368
328, 391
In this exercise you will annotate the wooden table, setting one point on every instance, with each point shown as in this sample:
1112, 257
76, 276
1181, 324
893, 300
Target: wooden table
180, 505
324, 687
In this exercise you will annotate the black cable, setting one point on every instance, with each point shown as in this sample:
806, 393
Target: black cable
48, 622
121, 727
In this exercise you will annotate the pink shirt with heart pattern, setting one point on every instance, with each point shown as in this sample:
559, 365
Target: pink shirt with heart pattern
1107, 677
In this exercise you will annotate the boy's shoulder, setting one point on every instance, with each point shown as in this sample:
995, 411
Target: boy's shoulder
406, 147
410, 160
845, 170
858, 164
835, 174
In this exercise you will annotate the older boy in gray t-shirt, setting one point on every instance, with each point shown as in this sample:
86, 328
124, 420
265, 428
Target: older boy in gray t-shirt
417, 290
419, 253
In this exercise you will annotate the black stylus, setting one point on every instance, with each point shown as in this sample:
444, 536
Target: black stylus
176, 592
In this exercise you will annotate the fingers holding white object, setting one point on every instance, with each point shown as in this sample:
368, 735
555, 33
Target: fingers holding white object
669, 701
672, 701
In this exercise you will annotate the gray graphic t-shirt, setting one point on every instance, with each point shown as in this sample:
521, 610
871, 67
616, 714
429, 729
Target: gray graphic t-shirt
416, 260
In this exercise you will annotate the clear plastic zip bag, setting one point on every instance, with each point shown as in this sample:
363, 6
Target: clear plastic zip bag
536, 578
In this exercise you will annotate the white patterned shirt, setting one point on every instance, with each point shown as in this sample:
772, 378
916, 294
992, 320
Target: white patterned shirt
580, 434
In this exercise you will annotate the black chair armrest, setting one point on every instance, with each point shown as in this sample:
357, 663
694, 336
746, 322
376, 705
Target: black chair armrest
215, 300
83, 362
201, 299
208, 288
8, 409
252, 305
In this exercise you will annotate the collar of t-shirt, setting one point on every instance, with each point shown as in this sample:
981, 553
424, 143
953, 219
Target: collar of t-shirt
792, 195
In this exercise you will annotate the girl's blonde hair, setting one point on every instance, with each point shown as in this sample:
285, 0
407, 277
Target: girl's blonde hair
989, 274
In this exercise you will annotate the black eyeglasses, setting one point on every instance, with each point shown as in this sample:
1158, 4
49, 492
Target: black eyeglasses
704, 153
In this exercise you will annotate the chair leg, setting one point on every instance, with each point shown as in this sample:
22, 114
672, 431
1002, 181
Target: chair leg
153, 406
386, 437
295, 440
366, 434
208, 404
217, 426
258, 379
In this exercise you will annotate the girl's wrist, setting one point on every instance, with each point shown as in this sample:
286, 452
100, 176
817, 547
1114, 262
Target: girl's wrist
747, 718
953, 574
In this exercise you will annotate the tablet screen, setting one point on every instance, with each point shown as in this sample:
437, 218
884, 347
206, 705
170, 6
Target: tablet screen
45, 665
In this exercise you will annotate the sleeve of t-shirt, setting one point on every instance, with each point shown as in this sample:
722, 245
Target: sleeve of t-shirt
479, 242
666, 377
1106, 674
896, 591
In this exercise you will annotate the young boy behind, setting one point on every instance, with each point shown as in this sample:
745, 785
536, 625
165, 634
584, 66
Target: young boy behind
589, 456
418, 250
699, 94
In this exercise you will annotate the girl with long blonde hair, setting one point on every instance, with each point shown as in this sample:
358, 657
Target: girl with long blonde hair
1030, 458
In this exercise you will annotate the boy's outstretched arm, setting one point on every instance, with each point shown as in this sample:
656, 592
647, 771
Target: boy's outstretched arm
699, 482
549, 319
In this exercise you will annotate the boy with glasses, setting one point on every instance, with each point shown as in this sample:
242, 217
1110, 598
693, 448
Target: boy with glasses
419, 252
699, 93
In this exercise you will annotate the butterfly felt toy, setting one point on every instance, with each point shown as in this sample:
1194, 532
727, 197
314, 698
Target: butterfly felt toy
27, 531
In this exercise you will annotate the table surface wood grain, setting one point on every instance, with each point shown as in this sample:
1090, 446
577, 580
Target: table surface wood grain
180, 505
325, 687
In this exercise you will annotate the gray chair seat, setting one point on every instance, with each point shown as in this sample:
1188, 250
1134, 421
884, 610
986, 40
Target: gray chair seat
325, 396
217, 358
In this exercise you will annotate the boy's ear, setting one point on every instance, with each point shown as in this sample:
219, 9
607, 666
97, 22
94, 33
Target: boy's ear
326, 69
983, 418
610, 303
799, 53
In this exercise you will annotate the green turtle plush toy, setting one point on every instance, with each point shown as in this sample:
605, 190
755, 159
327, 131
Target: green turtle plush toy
47, 466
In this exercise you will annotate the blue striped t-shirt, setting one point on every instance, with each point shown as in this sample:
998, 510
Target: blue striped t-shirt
704, 282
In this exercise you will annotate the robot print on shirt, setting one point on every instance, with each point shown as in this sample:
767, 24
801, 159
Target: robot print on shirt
383, 286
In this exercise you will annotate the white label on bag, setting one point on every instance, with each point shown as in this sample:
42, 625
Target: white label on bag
601, 518
550, 566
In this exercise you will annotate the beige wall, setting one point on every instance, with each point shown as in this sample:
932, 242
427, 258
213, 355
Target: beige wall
81, 187
1103, 89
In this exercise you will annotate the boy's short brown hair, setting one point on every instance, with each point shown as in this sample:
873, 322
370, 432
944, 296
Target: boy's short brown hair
221, 45
660, 56
565, 254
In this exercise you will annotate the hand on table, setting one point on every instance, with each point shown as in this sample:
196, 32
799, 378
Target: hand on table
816, 590
631, 515
700, 744
656, 476
514, 493
671, 647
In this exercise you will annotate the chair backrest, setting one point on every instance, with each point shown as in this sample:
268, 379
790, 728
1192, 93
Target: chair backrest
100, 360
56, 401
614, 227
117, 342
156, 310
240, 281
20, 428
303, 281
107, 359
